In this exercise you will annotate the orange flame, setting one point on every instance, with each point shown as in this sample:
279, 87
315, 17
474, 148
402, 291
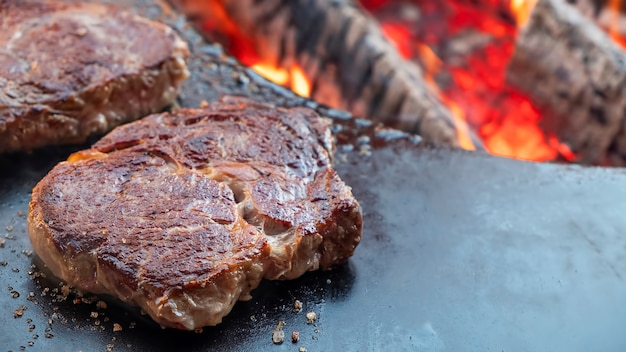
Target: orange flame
293, 78
219, 24
299, 82
614, 30
272, 73
521, 10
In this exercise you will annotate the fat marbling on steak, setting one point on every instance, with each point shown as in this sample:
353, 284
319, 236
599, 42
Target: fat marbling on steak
184, 213
68, 71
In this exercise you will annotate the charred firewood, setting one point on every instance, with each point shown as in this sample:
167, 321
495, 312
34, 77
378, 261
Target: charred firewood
346, 56
608, 14
576, 75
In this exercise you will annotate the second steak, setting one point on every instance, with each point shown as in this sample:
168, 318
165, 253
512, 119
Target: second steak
71, 70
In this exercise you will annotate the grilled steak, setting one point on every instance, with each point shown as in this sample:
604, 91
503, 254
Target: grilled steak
184, 213
68, 71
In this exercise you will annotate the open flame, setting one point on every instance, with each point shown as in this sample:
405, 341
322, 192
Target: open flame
293, 78
240, 45
521, 9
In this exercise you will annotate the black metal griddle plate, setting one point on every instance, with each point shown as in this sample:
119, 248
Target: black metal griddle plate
460, 251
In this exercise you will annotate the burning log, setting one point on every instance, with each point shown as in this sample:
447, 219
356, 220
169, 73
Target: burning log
576, 75
347, 59
608, 14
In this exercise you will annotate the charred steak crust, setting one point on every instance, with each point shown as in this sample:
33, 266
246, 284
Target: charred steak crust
184, 213
68, 71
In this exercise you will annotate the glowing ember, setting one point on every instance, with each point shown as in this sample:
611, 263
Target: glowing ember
501, 115
398, 34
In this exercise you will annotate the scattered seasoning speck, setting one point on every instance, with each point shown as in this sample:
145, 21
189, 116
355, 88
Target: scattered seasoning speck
2, 242
110, 347
94, 314
19, 312
198, 331
15, 294
4, 263
15, 270
20, 213
310, 317
27, 252
297, 306
117, 327
76, 301
31, 327
22, 348
48, 335
90, 300
65, 290
35, 336
9, 228
295, 336
101, 305
301, 349
31, 343
278, 335
9, 237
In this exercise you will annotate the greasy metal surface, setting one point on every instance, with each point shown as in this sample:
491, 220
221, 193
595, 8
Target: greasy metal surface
460, 252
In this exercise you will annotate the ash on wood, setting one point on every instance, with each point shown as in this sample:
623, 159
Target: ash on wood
608, 14
345, 54
576, 75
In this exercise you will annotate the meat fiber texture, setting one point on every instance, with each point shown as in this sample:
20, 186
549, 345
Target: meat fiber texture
184, 213
68, 71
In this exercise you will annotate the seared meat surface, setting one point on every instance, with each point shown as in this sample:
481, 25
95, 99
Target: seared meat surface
184, 213
68, 71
